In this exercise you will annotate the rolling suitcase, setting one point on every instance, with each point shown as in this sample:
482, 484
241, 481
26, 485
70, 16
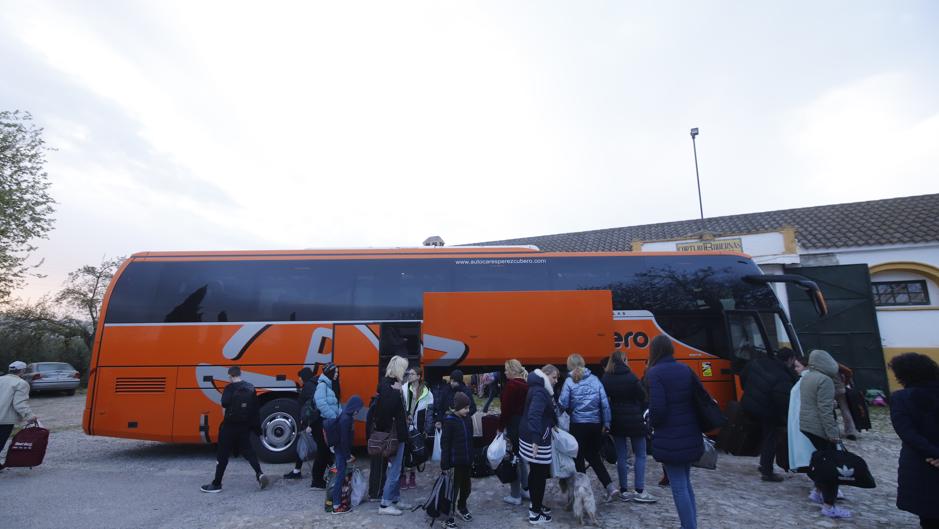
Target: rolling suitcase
28, 448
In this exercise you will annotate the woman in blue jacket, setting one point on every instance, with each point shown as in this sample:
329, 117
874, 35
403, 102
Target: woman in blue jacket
534, 438
326, 395
914, 411
676, 436
585, 399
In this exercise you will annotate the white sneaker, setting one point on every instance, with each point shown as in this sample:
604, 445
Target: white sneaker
626, 495
512, 500
402, 505
390, 510
644, 497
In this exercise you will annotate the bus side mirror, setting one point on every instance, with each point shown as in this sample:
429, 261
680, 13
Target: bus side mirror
810, 287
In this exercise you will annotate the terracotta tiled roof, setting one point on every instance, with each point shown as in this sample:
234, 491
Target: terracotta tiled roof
905, 220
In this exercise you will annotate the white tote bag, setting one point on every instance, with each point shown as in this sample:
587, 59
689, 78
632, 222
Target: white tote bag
435, 456
562, 465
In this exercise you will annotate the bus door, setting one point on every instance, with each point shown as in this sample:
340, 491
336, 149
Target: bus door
747, 340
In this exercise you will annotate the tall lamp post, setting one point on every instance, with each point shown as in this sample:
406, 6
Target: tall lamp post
694, 132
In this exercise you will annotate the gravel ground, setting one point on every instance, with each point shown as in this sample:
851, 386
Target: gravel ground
97, 482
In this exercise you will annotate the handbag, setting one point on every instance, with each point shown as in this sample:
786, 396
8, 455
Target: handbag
416, 453
608, 449
710, 416
842, 467
306, 446
709, 457
507, 471
383, 444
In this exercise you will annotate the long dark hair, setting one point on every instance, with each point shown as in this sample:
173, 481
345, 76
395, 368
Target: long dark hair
660, 348
914, 369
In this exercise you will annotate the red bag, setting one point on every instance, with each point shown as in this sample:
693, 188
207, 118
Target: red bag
28, 448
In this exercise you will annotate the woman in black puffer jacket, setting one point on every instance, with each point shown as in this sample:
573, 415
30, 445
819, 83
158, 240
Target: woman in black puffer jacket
628, 404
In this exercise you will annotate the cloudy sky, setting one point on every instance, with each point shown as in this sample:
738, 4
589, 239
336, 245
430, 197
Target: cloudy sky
228, 125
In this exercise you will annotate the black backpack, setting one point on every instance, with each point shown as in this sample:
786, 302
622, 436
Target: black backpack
480, 467
244, 404
440, 501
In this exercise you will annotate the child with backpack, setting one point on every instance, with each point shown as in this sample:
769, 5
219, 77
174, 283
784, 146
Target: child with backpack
456, 453
339, 433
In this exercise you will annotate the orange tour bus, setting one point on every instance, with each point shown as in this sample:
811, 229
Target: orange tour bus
173, 322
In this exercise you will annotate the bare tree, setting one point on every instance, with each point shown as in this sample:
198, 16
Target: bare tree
84, 289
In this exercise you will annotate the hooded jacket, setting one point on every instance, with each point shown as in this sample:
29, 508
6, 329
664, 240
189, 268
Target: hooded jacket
627, 401
326, 400
817, 398
421, 411
586, 400
347, 423
538, 417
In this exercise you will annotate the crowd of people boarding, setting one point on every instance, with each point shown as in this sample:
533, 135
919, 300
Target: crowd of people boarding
654, 415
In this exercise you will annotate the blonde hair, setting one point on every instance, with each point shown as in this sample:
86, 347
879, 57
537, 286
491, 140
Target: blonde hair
617, 356
515, 369
396, 368
575, 365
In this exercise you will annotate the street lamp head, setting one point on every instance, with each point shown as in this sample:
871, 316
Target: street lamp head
694, 132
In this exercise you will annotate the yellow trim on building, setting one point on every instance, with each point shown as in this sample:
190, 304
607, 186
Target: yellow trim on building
908, 266
890, 352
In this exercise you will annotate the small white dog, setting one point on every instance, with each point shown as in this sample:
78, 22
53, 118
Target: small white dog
580, 498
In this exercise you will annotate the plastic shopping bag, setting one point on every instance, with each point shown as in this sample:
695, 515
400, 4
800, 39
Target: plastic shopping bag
564, 442
359, 487
435, 456
564, 421
709, 458
496, 451
562, 465
306, 446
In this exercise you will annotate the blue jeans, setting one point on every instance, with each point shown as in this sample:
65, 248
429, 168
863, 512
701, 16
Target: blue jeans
392, 492
622, 460
679, 478
341, 458
522, 481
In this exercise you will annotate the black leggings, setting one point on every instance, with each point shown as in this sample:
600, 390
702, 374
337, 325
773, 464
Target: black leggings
537, 479
589, 440
233, 437
829, 490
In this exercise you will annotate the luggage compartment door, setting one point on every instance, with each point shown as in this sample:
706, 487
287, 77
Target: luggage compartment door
538, 327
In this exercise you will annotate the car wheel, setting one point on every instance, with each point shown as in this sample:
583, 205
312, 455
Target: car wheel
70, 392
279, 427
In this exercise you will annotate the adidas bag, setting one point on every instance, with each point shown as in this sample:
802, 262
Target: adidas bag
842, 467
440, 500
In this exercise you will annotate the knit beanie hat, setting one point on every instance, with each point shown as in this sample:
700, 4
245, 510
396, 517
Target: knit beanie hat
460, 401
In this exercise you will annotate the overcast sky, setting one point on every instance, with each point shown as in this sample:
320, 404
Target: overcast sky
226, 125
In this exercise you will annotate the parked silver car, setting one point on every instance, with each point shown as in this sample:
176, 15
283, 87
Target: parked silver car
52, 376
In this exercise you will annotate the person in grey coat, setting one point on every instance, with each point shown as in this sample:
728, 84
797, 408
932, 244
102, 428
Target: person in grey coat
585, 399
817, 422
14, 401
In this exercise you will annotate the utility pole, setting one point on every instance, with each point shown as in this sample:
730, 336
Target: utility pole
694, 132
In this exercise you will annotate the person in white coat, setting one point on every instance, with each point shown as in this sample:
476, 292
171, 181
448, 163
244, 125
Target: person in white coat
14, 402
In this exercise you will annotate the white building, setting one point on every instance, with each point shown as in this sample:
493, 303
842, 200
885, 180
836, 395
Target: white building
877, 263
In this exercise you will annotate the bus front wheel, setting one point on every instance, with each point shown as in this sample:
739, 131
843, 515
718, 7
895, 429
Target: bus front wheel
279, 427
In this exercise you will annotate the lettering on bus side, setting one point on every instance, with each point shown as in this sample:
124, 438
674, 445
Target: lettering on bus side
638, 339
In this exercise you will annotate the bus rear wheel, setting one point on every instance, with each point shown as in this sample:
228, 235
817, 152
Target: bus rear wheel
279, 428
